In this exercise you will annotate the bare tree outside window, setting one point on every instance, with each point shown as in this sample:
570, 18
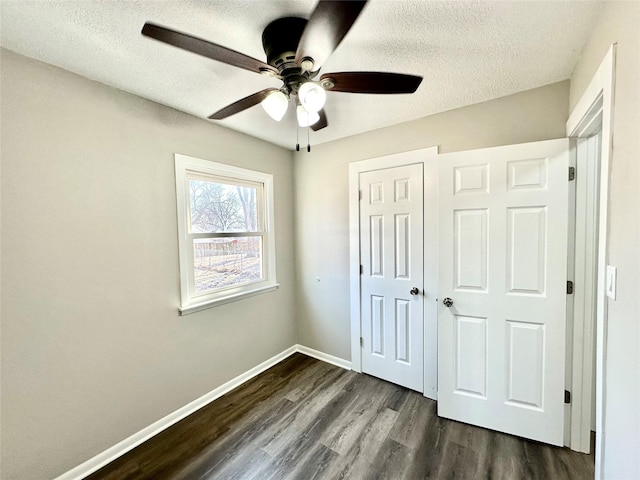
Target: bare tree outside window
225, 261
247, 198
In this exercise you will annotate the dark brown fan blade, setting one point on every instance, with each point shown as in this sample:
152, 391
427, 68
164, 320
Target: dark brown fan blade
329, 23
240, 105
205, 48
372, 82
320, 124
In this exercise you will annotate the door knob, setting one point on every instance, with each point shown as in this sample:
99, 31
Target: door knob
414, 291
447, 302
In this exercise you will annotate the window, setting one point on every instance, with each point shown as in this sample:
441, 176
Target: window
226, 235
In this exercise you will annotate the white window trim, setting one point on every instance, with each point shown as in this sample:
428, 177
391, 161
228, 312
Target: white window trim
189, 303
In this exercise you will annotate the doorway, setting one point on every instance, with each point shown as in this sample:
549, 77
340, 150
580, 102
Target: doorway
391, 296
389, 355
593, 115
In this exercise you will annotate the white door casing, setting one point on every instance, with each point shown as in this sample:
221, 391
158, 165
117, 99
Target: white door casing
597, 100
428, 157
502, 222
391, 249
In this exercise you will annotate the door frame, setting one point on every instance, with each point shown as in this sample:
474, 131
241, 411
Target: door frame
594, 108
428, 158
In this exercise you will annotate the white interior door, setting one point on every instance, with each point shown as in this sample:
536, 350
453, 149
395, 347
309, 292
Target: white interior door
391, 248
502, 226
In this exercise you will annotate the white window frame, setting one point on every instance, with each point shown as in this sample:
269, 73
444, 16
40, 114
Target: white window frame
190, 301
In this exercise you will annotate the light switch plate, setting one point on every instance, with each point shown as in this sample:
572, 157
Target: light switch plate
611, 282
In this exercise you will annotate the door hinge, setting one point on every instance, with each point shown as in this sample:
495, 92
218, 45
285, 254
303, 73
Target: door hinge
359, 194
361, 269
569, 287
572, 173
567, 396
361, 342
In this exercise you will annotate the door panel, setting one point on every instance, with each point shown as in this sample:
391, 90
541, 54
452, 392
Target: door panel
470, 255
471, 355
502, 260
525, 363
391, 246
526, 250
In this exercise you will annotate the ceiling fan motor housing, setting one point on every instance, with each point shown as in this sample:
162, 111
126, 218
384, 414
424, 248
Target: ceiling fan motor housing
280, 40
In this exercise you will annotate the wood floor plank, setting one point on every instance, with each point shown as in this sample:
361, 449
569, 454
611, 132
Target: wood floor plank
316, 465
363, 409
237, 467
307, 420
306, 414
359, 459
308, 381
393, 461
414, 415
234, 444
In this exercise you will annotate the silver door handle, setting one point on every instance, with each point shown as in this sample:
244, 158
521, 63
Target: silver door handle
447, 302
414, 291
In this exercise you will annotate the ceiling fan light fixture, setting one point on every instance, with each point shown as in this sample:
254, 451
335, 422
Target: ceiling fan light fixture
312, 96
307, 64
306, 118
276, 105
327, 83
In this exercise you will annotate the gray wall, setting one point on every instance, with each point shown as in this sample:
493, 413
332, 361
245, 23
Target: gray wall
93, 349
619, 23
321, 193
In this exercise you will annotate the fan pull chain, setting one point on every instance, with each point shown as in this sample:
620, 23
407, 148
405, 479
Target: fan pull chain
308, 142
297, 140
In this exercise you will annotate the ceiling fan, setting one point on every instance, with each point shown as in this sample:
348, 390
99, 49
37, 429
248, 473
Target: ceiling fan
296, 49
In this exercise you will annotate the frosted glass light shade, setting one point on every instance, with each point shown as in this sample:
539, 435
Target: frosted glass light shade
276, 105
306, 119
312, 96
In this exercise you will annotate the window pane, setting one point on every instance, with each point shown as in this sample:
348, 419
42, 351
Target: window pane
221, 207
226, 262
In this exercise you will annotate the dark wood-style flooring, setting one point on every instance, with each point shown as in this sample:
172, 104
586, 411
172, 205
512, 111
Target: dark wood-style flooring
305, 419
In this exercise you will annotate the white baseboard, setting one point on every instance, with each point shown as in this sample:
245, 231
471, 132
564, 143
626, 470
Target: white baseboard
119, 449
325, 357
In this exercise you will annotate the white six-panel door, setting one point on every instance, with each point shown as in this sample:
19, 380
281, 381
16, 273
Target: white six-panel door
503, 261
391, 249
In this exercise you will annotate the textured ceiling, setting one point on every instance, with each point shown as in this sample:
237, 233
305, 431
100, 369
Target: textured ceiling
467, 52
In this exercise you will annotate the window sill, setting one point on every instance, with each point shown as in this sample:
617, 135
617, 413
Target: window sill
196, 307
